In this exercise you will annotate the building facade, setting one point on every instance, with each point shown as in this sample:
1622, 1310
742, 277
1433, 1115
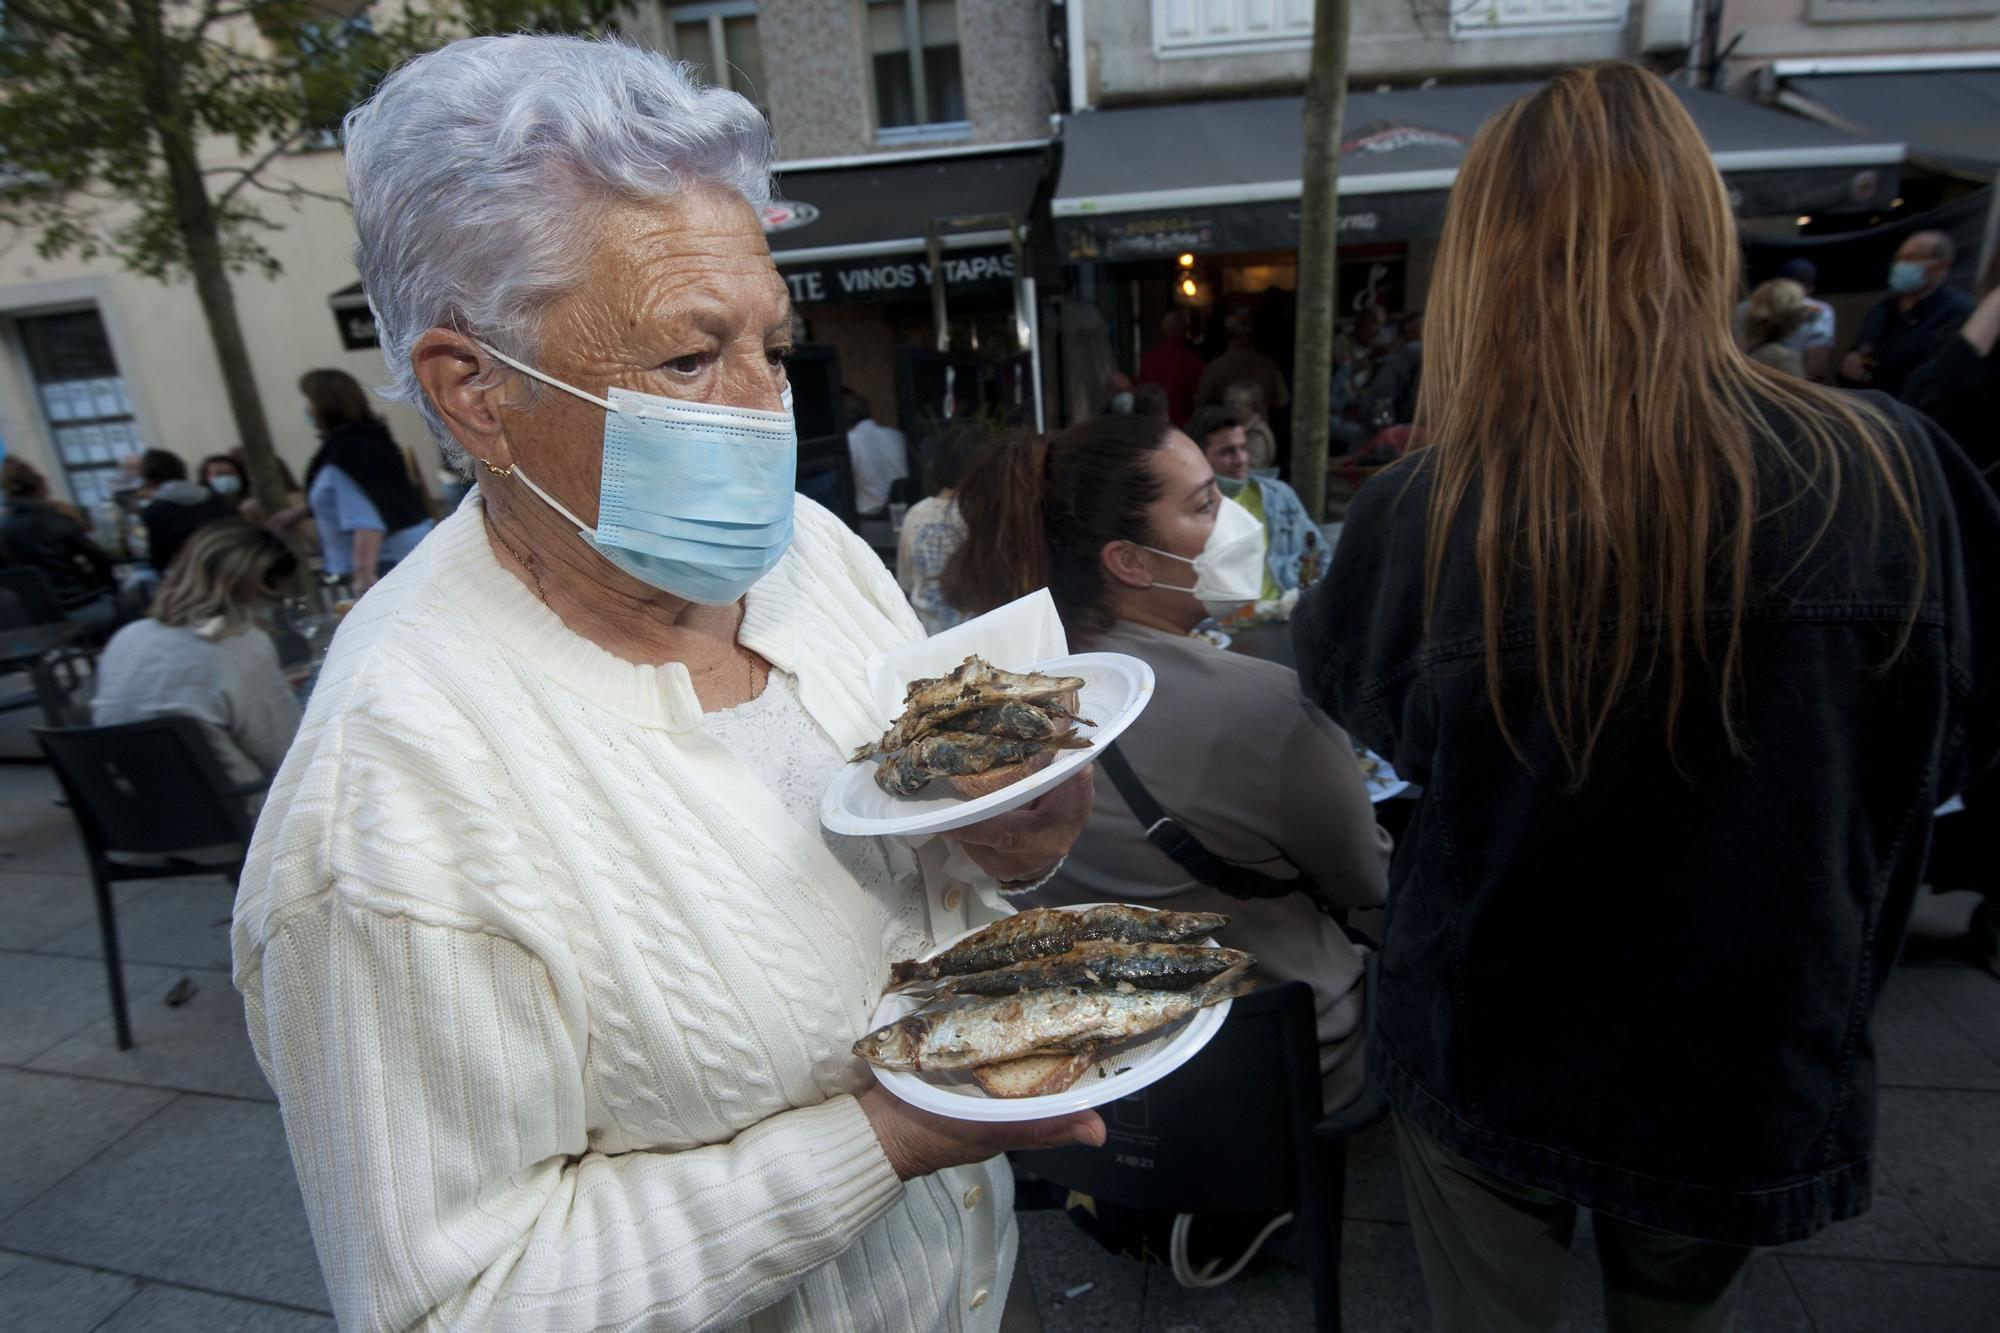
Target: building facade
97, 363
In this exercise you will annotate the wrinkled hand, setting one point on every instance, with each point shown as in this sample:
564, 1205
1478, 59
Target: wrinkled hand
919, 1143
1858, 367
1023, 845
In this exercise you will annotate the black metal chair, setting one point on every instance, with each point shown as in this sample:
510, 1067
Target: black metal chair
1236, 1130
28, 598
154, 790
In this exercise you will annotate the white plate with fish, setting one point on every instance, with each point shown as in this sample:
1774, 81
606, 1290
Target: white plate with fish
1187, 1019
1114, 690
1381, 780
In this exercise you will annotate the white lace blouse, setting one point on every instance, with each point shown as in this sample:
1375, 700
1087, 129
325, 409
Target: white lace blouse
776, 739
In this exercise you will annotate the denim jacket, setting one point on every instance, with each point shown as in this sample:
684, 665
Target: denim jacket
1651, 994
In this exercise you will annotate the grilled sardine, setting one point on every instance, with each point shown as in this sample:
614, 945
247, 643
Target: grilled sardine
1096, 963
1041, 931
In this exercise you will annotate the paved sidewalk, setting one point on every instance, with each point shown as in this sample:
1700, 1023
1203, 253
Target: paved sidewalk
151, 1189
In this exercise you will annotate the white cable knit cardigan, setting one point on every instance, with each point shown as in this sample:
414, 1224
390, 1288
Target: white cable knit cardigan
557, 999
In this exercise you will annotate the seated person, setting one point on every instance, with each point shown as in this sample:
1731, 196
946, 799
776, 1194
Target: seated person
1110, 516
1246, 400
42, 533
202, 651
177, 507
1288, 529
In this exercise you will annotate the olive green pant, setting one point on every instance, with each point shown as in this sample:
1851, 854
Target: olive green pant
1493, 1253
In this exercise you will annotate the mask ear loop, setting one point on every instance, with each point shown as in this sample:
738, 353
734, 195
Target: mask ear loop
549, 380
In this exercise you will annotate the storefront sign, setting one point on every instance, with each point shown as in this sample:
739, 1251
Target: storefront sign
1241, 228
897, 277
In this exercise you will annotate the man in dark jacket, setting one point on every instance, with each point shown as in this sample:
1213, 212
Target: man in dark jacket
1959, 387
177, 509
1906, 326
37, 534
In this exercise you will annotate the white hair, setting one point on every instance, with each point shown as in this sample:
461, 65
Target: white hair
478, 172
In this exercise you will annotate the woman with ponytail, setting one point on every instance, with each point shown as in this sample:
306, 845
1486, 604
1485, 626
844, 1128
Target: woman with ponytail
1122, 520
1684, 651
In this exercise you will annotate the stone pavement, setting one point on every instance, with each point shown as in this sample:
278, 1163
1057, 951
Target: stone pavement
151, 1189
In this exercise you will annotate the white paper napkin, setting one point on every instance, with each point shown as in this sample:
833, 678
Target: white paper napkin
1014, 637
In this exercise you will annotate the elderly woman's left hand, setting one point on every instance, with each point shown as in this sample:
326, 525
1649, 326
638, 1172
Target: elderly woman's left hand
1023, 845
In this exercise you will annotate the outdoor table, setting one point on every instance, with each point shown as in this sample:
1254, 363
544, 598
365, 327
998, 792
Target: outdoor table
27, 648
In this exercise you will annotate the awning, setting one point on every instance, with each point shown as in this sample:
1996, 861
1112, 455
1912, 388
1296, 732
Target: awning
1950, 117
1224, 176
858, 232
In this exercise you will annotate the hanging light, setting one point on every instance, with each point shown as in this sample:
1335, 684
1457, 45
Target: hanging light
1805, 220
1188, 288
1187, 260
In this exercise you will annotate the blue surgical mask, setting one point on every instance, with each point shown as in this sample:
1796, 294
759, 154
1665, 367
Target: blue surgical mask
692, 499
1907, 276
225, 483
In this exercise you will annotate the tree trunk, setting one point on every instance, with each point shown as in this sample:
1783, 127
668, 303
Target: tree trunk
194, 214
1319, 208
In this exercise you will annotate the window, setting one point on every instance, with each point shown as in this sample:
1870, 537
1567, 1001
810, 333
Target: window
83, 398
1479, 18
721, 38
919, 83
1230, 27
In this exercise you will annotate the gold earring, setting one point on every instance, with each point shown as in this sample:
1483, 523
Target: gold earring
507, 471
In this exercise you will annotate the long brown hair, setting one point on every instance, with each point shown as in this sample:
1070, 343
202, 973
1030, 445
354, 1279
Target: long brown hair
335, 398
223, 578
1580, 379
1040, 512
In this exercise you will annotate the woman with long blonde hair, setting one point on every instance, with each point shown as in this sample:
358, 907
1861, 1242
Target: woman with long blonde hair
1684, 652
203, 651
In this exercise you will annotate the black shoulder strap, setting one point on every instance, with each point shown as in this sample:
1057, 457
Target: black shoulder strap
1186, 850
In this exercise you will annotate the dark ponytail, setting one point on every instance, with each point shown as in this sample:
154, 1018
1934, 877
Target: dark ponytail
1040, 512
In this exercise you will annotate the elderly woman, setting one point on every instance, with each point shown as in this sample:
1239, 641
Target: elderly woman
542, 947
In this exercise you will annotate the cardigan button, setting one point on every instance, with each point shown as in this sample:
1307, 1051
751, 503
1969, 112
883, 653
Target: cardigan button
953, 896
979, 1297
974, 1195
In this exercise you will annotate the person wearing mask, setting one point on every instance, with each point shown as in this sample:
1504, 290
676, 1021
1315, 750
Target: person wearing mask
1908, 325
1124, 521
934, 529
203, 650
879, 455
1246, 400
1959, 387
1681, 712
222, 474
1813, 339
38, 532
1242, 361
368, 512
1774, 313
175, 508
542, 887
1219, 433
1174, 366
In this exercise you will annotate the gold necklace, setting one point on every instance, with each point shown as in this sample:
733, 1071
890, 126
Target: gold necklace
532, 569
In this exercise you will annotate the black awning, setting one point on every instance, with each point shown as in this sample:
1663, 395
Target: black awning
880, 207
353, 318
857, 232
1224, 176
1949, 118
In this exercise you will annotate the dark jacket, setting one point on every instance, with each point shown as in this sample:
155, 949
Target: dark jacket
34, 534
367, 454
176, 512
1902, 340
1960, 390
1651, 995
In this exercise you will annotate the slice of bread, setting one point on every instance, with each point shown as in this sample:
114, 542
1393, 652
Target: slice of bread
993, 779
1034, 1075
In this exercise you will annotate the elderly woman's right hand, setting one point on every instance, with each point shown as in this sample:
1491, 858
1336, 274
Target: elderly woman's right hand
919, 1143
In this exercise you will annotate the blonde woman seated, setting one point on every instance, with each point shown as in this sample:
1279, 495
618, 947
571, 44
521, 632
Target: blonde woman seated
202, 651
1775, 312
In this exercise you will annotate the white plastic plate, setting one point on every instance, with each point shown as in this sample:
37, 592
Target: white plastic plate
1115, 691
1120, 1070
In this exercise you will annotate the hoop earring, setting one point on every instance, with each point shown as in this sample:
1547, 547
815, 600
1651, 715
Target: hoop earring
507, 471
